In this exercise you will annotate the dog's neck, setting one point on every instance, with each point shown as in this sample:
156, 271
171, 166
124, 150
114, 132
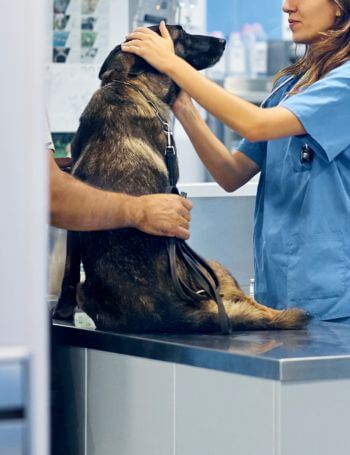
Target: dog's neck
158, 89
158, 102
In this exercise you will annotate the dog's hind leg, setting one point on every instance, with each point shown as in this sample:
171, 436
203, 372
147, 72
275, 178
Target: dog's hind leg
67, 302
95, 307
245, 313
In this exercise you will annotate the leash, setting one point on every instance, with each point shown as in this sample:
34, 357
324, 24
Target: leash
203, 274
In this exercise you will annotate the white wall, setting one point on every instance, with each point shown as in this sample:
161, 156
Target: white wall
23, 197
190, 166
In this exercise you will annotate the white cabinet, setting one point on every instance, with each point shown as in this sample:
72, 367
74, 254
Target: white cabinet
139, 406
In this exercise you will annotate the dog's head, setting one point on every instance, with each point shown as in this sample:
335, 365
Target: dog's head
198, 50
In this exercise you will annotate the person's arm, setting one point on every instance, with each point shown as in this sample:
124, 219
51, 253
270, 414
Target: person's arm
76, 206
252, 122
231, 171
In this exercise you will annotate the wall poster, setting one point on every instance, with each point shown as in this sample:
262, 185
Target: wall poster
80, 31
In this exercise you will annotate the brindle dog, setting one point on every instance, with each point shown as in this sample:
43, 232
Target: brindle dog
119, 146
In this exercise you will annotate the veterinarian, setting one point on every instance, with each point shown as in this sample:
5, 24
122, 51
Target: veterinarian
77, 206
300, 142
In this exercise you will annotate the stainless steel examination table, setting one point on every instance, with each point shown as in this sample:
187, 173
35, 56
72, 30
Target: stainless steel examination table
251, 393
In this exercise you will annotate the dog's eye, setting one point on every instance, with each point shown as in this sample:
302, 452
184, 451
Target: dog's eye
185, 39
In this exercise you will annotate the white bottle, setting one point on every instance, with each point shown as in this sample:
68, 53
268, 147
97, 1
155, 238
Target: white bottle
248, 36
260, 51
252, 288
218, 71
235, 57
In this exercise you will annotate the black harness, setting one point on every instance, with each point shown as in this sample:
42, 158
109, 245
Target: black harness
178, 250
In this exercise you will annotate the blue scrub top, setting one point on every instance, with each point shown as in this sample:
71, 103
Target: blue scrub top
302, 213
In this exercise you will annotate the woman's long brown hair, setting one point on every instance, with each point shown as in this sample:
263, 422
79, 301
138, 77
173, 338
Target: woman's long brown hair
328, 53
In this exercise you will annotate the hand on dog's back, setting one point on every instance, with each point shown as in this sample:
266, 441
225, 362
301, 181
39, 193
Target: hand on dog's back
162, 214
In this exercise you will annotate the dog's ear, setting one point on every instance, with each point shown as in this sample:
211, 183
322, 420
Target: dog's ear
139, 66
119, 65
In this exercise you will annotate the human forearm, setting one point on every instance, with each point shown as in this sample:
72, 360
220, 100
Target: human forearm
75, 205
243, 117
252, 122
231, 171
159, 52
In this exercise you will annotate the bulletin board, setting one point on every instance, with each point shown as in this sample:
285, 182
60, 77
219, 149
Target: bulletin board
83, 32
80, 31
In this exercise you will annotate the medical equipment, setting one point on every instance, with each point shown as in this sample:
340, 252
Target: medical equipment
185, 9
151, 12
306, 154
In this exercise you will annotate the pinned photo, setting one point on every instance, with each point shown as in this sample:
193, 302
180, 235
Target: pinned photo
60, 21
89, 6
88, 55
60, 39
88, 39
88, 23
60, 6
60, 55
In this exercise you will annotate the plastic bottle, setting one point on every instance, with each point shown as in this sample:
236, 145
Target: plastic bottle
260, 51
218, 71
251, 288
248, 36
235, 57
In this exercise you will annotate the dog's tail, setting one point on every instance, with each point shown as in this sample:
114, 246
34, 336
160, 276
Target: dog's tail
293, 318
247, 314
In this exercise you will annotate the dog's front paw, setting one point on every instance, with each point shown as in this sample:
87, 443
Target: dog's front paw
66, 305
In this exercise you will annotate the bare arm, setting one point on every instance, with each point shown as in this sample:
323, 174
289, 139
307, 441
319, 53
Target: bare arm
254, 123
231, 171
250, 121
74, 205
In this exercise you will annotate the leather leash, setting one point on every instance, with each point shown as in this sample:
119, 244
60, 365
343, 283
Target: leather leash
203, 274
201, 271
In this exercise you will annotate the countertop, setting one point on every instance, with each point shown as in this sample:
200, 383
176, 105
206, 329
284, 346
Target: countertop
212, 189
322, 351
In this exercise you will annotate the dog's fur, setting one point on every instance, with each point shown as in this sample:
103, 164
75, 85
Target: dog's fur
119, 146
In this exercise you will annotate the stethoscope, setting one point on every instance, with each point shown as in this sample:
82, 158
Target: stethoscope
306, 152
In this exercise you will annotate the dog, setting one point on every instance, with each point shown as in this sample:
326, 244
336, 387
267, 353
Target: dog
119, 147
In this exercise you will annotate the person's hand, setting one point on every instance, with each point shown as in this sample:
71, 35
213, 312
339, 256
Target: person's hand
157, 50
162, 214
183, 103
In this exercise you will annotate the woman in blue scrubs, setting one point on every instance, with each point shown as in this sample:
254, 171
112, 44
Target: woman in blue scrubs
300, 141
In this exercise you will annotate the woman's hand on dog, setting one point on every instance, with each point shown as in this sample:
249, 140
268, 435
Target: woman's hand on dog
182, 104
157, 50
161, 214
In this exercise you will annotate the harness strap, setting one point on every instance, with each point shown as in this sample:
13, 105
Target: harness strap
203, 275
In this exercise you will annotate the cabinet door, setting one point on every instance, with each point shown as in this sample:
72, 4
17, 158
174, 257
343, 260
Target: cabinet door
12, 438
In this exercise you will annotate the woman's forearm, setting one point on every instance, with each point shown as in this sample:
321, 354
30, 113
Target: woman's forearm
240, 115
249, 121
231, 171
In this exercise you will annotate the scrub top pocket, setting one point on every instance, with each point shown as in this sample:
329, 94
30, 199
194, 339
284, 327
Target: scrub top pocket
316, 267
294, 155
